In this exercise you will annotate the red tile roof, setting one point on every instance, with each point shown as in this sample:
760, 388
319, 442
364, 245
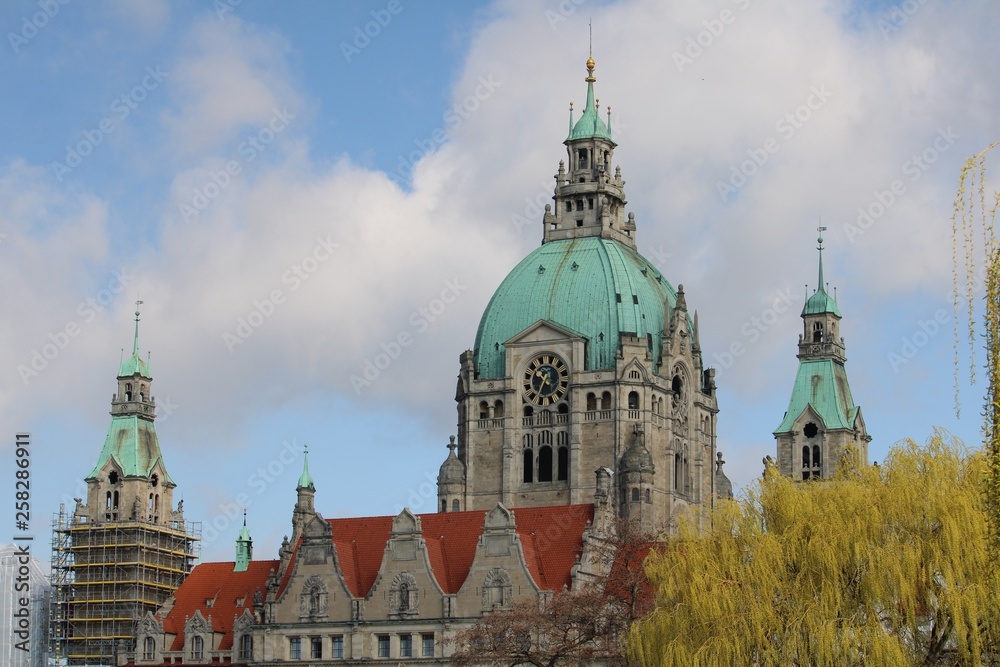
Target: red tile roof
551, 538
217, 582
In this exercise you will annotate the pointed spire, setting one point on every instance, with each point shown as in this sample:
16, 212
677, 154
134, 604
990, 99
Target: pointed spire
135, 344
820, 301
822, 283
305, 479
244, 547
590, 125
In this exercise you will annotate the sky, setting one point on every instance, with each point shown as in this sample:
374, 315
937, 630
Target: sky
289, 188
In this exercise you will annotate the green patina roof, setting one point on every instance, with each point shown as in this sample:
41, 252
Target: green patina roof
305, 479
578, 290
822, 385
134, 366
590, 125
133, 445
821, 302
244, 535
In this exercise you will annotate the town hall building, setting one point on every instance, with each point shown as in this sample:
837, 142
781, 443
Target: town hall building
583, 402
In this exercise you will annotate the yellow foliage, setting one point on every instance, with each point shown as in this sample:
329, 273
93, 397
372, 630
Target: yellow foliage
974, 215
882, 566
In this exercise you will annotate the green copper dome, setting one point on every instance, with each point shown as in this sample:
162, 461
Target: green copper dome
821, 302
593, 286
134, 366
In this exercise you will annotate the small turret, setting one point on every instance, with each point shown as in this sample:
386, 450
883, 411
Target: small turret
451, 481
244, 548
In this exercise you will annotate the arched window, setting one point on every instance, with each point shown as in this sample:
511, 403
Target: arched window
128, 391
649, 496
148, 648
150, 506
591, 402
677, 387
156, 502
444, 505
635, 494
661, 405
805, 456
484, 410
545, 464
528, 411
114, 500
197, 648
142, 393
818, 332
655, 406
498, 409
680, 472
563, 409
529, 466
246, 647
633, 400
817, 462
562, 469
108, 506
455, 505
606, 400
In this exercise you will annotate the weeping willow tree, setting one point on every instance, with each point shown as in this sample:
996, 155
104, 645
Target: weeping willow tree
883, 566
973, 221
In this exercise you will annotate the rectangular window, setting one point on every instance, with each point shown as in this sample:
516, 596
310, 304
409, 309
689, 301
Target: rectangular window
383, 646
295, 648
406, 646
428, 645
338, 646
316, 646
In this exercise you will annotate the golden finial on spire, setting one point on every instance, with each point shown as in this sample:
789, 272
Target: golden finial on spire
590, 71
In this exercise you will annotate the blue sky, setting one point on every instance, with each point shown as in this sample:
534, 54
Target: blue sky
246, 148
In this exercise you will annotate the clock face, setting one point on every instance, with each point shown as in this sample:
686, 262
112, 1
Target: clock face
545, 379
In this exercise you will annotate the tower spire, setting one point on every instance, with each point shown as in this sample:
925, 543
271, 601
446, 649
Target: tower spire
135, 344
305, 479
820, 229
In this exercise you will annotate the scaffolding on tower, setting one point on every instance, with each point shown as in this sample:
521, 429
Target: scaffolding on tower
106, 575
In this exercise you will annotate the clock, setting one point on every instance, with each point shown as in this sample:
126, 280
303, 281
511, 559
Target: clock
546, 379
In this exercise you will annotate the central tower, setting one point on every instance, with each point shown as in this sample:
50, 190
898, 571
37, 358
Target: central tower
586, 371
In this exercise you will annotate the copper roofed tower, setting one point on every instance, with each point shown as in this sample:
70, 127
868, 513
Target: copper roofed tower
822, 420
124, 551
584, 345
